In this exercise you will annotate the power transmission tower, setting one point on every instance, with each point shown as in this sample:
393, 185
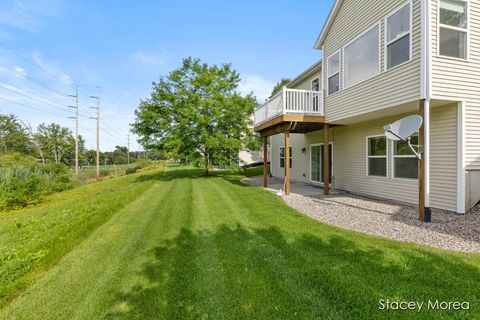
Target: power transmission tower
128, 149
76, 127
98, 133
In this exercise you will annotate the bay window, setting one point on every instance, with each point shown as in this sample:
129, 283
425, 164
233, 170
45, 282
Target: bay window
398, 36
377, 156
361, 57
453, 23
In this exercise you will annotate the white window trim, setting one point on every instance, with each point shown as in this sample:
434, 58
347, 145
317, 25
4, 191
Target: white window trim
385, 33
327, 93
376, 157
467, 31
394, 156
310, 163
291, 156
379, 71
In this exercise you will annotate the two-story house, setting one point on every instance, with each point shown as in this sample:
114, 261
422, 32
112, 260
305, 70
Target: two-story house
383, 60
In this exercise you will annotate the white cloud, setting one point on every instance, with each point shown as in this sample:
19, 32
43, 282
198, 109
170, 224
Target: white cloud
261, 87
8, 70
27, 14
151, 58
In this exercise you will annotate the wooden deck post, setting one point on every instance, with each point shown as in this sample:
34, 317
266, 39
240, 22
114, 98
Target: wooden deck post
326, 159
287, 163
265, 161
421, 166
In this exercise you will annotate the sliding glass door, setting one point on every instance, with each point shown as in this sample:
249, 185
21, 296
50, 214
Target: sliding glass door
316, 163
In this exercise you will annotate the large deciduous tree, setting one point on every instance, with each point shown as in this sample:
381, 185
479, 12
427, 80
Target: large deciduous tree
196, 113
56, 142
13, 136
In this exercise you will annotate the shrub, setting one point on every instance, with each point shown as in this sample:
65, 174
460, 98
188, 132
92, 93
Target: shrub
22, 188
142, 163
24, 181
132, 170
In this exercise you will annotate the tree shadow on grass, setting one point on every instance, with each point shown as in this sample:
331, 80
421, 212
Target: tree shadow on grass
239, 273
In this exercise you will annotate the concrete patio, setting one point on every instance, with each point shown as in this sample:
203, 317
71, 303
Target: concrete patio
381, 218
276, 184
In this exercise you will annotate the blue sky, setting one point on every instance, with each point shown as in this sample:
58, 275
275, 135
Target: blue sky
122, 46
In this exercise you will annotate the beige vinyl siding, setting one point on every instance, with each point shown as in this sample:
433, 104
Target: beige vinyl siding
349, 160
460, 80
307, 84
350, 164
389, 88
299, 168
443, 157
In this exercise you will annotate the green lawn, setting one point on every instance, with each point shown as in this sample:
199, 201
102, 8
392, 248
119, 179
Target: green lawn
180, 246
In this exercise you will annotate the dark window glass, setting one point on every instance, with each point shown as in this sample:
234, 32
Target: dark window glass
453, 43
406, 168
398, 52
334, 83
377, 167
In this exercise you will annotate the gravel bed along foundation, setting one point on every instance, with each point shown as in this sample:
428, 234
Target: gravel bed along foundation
387, 219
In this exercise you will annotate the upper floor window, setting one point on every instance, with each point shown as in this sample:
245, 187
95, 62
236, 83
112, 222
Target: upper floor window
333, 72
398, 37
361, 57
453, 28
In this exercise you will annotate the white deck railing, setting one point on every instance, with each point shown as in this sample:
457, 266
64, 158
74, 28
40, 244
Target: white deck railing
290, 101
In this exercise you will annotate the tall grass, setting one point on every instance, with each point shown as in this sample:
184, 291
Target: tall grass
23, 181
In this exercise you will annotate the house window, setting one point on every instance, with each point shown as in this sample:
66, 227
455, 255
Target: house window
315, 96
398, 37
453, 28
377, 156
361, 57
405, 163
282, 157
333, 68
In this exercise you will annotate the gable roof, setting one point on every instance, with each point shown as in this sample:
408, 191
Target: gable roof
326, 27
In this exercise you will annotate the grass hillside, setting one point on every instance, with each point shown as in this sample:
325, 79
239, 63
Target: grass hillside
177, 245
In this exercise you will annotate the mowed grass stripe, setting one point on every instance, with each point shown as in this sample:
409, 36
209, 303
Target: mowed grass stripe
213, 248
119, 247
279, 267
35, 239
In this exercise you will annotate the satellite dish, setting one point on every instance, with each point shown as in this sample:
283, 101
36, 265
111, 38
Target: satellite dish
403, 128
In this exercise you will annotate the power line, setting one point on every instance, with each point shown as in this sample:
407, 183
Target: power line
36, 65
63, 95
55, 91
33, 98
33, 108
31, 92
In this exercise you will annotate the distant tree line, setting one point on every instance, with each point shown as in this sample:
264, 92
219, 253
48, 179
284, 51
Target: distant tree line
52, 143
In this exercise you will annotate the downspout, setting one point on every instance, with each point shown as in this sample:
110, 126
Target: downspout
426, 92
